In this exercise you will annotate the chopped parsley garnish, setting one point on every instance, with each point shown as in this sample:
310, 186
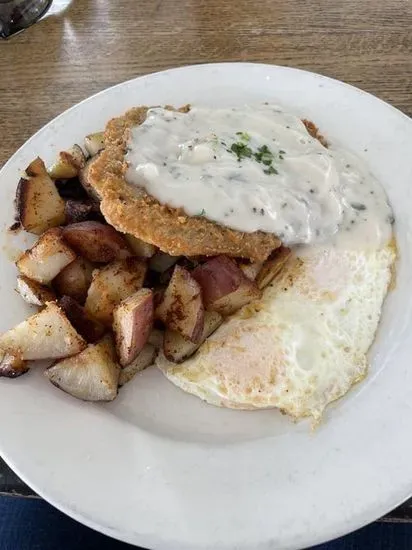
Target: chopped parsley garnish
244, 136
263, 154
241, 150
202, 213
270, 170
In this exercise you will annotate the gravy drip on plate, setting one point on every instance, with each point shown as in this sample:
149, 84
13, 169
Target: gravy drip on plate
257, 168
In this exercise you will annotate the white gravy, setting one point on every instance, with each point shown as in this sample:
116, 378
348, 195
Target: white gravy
257, 168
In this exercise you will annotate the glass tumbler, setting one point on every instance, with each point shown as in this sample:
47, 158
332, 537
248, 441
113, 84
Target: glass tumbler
17, 15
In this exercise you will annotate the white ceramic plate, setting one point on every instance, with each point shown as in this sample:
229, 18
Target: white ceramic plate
160, 469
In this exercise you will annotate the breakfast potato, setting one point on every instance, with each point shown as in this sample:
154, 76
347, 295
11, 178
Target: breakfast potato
94, 143
250, 269
139, 247
132, 324
70, 189
12, 365
273, 266
33, 292
177, 349
68, 164
224, 286
74, 280
145, 358
161, 262
90, 329
182, 308
85, 179
38, 203
92, 375
156, 338
111, 285
158, 294
77, 210
95, 241
45, 335
46, 258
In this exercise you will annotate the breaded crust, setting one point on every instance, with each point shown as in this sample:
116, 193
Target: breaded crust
131, 210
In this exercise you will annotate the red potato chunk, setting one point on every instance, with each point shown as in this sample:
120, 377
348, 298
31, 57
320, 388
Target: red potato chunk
84, 179
12, 365
96, 241
273, 266
156, 338
139, 247
74, 280
112, 284
45, 335
224, 286
33, 292
161, 262
181, 308
250, 269
38, 203
92, 375
78, 210
132, 324
177, 349
68, 164
46, 258
145, 358
94, 143
90, 329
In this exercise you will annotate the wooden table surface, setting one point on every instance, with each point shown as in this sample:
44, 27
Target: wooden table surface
84, 46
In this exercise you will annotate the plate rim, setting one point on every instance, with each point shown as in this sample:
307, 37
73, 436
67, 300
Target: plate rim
354, 521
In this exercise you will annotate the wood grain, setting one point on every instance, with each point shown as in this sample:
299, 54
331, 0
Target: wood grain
97, 43
93, 44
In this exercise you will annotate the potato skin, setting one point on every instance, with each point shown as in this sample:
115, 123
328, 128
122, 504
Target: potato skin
38, 203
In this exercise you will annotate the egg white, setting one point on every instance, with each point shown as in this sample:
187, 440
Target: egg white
303, 345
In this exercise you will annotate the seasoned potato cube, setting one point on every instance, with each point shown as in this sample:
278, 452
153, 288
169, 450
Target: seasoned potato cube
69, 163
177, 349
161, 262
95, 241
45, 335
111, 285
92, 375
78, 210
182, 308
156, 338
38, 203
46, 258
250, 269
145, 358
33, 292
224, 286
90, 329
74, 280
12, 365
139, 247
70, 189
85, 180
94, 143
273, 266
132, 324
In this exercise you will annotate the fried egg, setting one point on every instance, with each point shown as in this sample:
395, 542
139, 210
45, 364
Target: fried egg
300, 347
